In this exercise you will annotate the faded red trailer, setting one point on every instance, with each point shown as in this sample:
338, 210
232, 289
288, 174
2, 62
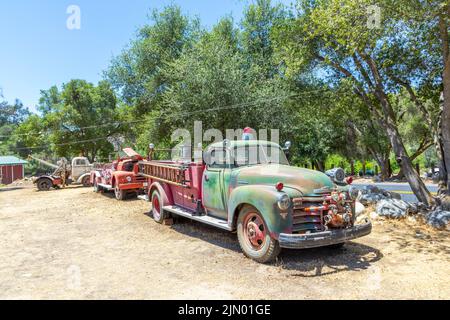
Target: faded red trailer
11, 169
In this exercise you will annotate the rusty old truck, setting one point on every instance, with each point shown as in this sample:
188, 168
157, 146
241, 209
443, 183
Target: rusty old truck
249, 187
64, 173
120, 176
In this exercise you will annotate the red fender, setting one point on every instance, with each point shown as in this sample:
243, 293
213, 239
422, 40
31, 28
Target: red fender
164, 191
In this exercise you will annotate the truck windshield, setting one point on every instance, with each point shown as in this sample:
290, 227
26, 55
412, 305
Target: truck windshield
128, 166
253, 155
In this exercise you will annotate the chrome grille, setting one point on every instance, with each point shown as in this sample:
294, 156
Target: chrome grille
307, 215
140, 178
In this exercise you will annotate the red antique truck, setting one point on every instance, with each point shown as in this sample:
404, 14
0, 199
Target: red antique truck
121, 176
249, 187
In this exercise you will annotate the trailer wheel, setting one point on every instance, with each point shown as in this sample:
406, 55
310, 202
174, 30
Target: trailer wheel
157, 211
44, 184
254, 237
85, 182
119, 193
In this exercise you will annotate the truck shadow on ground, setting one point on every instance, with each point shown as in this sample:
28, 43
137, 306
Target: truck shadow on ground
128, 198
314, 262
323, 261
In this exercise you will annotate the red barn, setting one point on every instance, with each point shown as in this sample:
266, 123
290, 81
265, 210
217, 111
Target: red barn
11, 169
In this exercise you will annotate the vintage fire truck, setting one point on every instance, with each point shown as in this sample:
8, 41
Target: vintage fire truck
120, 176
248, 186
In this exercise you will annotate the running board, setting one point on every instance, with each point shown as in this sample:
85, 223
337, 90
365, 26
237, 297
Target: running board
219, 223
143, 197
105, 186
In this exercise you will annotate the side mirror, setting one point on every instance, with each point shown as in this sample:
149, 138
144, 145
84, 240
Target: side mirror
287, 145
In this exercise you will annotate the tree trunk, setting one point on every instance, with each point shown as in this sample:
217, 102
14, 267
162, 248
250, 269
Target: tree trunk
388, 122
389, 167
445, 119
320, 165
352, 167
383, 162
416, 184
385, 169
363, 168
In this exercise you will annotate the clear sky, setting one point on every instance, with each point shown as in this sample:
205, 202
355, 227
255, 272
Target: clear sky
37, 50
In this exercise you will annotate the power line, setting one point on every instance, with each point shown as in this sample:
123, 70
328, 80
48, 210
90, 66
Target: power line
63, 144
239, 105
81, 128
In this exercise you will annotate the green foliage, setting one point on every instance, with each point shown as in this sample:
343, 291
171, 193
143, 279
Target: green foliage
75, 121
137, 73
11, 116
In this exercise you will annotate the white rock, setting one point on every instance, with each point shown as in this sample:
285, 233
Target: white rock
393, 208
439, 219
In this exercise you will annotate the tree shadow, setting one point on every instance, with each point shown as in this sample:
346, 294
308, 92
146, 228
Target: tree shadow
307, 262
422, 240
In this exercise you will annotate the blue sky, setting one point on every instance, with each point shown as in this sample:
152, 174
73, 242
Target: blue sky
37, 50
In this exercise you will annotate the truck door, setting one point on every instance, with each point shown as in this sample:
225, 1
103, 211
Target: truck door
213, 191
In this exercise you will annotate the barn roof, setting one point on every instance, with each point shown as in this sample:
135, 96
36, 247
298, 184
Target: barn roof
10, 160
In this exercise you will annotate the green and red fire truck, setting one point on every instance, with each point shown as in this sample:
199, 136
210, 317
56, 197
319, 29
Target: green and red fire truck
249, 187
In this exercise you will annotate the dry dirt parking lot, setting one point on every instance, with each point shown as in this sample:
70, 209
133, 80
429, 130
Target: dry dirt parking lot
75, 244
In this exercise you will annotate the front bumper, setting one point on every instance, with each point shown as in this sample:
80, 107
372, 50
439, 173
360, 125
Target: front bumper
131, 185
325, 238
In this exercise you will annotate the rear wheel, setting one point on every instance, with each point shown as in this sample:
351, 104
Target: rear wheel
254, 237
157, 211
119, 193
44, 184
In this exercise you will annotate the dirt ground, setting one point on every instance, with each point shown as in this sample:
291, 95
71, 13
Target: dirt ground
75, 244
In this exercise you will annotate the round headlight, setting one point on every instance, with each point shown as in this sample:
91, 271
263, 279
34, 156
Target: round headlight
354, 192
284, 202
129, 179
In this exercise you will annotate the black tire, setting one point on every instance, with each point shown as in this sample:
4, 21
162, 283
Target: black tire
119, 193
268, 248
157, 212
44, 184
86, 181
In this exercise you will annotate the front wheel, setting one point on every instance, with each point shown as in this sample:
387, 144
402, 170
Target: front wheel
119, 193
254, 237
